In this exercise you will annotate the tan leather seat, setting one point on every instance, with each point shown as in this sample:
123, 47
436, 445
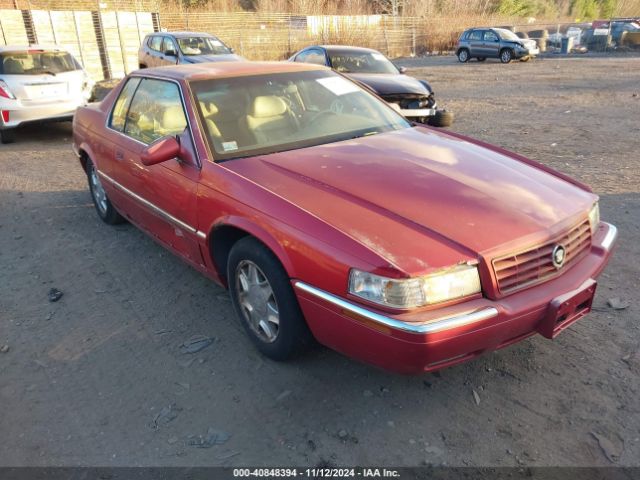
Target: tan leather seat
11, 66
270, 119
226, 126
173, 121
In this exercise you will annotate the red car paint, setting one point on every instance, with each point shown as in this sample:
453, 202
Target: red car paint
397, 204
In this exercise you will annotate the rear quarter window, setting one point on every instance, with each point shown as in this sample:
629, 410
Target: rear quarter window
37, 62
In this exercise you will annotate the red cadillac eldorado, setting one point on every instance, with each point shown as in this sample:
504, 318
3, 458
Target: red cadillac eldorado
327, 215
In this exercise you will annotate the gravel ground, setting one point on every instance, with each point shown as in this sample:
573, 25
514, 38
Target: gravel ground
98, 377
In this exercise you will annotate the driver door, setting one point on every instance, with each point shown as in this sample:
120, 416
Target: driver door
162, 197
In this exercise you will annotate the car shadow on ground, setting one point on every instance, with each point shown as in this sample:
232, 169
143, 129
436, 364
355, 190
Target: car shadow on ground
41, 133
114, 340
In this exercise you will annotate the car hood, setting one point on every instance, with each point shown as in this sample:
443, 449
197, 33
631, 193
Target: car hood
229, 57
389, 83
390, 191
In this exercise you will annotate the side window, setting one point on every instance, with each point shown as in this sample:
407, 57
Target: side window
119, 112
155, 112
168, 44
312, 56
155, 43
475, 35
489, 36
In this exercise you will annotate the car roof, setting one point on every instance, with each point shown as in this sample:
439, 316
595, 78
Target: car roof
183, 34
330, 48
207, 71
13, 48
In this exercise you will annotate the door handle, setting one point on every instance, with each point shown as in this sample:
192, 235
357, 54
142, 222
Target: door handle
119, 155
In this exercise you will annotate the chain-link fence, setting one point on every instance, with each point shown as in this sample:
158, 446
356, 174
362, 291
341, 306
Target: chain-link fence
105, 34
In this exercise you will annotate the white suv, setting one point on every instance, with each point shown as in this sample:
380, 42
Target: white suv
39, 83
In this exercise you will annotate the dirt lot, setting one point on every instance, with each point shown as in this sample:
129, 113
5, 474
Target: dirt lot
98, 378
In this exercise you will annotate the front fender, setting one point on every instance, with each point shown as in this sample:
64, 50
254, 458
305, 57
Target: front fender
265, 236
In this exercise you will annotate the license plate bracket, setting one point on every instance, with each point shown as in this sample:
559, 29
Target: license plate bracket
567, 309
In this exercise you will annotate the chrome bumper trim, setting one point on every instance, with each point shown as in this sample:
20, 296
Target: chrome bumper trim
151, 206
418, 112
610, 237
432, 326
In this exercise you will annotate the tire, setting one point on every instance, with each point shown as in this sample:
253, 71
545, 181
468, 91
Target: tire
506, 55
106, 211
442, 118
481, 59
7, 136
279, 341
463, 55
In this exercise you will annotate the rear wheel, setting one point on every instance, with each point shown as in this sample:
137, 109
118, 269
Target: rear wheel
106, 211
7, 136
463, 55
506, 55
264, 300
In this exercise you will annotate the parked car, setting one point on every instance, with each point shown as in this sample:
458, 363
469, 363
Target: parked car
328, 215
414, 98
171, 48
39, 83
483, 43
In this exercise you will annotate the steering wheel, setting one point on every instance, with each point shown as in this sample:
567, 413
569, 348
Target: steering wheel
336, 107
320, 114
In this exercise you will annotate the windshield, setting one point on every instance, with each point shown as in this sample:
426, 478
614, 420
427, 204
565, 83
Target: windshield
361, 62
262, 114
202, 46
37, 62
507, 34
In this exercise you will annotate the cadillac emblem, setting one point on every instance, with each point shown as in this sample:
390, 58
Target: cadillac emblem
558, 256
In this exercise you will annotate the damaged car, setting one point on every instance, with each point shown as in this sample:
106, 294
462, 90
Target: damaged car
413, 98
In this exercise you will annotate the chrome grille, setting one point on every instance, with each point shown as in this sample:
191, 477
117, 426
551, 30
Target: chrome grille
534, 265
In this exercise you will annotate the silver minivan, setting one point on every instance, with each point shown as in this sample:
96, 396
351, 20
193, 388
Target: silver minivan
39, 83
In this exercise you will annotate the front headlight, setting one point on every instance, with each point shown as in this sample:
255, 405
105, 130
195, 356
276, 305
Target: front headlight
456, 282
594, 217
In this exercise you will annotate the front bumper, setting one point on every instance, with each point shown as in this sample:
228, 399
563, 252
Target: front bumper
23, 112
418, 112
429, 340
527, 52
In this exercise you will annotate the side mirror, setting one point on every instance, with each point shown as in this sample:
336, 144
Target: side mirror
402, 70
162, 150
232, 50
497, 40
170, 53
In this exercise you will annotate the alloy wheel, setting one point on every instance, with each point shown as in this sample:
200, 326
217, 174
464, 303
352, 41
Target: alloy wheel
98, 193
257, 301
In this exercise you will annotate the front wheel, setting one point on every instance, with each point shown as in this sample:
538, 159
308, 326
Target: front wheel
7, 136
263, 298
506, 55
106, 211
442, 118
463, 55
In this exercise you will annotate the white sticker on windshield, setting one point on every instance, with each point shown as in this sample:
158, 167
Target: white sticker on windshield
378, 56
229, 146
337, 85
217, 43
